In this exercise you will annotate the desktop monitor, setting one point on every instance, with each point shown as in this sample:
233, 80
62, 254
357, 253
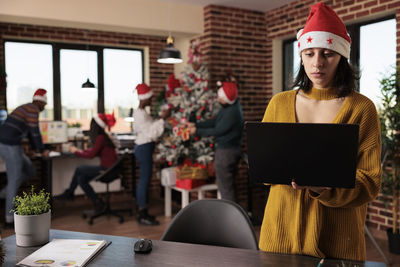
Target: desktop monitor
53, 132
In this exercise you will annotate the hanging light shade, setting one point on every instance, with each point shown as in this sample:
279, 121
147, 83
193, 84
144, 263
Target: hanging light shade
169, 54
88, 84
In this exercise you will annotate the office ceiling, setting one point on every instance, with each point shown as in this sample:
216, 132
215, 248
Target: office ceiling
259, 5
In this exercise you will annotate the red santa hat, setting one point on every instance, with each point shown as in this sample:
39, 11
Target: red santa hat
144, 91
105, 120
324, 29
228, 92
40, 95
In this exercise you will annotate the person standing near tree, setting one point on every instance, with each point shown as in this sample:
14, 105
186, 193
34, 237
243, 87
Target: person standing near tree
226, 127
319, 221
22, 122
147, 131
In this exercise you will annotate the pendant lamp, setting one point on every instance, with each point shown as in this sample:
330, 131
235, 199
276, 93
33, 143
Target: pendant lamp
88, 83
169, 54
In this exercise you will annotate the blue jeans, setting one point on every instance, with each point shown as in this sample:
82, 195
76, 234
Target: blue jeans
19, 169
144, 154
82, 176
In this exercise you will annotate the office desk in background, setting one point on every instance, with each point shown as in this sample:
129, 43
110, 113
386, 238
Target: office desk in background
71, 162
120, 253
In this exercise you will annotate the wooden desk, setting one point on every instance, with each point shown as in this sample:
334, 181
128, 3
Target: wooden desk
47, 170
120, 253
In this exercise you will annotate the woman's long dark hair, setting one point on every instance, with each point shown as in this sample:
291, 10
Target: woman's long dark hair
95, 130
344, 82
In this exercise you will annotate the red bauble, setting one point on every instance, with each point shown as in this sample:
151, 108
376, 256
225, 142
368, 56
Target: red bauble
198, 117
203, 108
211, 145
170, 163
196, 139
173, 146
181, 110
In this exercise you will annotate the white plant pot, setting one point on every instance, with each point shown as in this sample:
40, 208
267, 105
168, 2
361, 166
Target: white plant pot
32, 230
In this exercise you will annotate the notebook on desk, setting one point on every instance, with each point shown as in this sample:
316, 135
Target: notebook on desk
313, 154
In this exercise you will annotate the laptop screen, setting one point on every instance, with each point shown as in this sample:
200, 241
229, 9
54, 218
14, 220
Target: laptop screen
313, 154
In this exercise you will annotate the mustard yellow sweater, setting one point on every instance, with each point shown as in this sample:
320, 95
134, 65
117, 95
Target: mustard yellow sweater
330, 224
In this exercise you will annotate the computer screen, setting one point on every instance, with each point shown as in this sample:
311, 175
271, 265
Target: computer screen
53, 132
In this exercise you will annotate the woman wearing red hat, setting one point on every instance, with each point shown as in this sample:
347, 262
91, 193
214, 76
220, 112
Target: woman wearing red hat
317, 221
104, 148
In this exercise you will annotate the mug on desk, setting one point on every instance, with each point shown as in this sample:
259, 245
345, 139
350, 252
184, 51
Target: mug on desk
65, 147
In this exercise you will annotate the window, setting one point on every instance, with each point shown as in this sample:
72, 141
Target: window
123, 70
291, 63
62, 68
78, 104
377, 56
373, 49
29, 66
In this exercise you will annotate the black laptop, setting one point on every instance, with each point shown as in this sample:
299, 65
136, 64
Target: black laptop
313, 154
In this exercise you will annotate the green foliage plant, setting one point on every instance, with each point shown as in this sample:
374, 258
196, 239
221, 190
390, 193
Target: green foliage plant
32, 203
74, 125
389, 115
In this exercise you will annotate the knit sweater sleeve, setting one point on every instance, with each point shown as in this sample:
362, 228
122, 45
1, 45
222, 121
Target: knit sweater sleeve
369, 172
95, 150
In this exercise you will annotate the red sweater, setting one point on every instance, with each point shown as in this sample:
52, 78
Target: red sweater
108, 155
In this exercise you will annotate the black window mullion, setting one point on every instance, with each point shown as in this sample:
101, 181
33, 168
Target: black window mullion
56, 83
100, 79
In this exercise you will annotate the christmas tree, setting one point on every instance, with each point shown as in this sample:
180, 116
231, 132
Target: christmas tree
190, 100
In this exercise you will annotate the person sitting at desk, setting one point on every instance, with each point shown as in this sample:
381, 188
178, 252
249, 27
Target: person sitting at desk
22, 122
102, 147
319, 221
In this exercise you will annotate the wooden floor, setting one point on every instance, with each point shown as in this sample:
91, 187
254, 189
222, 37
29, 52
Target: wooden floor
68, 216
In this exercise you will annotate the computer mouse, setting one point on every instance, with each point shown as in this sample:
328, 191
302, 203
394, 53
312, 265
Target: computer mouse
143, 245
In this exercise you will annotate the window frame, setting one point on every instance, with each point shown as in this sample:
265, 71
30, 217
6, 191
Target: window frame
56, 47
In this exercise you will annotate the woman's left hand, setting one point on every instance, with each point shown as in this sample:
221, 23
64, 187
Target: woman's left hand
316, 189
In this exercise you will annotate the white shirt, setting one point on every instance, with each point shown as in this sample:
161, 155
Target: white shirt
145, 128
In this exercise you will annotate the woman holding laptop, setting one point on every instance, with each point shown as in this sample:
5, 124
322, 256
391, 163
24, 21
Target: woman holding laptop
317, 221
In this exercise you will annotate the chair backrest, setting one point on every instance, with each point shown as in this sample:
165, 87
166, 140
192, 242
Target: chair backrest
215, 222
111, 173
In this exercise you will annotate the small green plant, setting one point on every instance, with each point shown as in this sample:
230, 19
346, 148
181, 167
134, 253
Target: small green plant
389, 115
32, 203
74, 125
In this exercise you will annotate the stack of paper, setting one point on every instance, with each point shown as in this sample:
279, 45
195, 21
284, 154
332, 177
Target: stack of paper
64, 252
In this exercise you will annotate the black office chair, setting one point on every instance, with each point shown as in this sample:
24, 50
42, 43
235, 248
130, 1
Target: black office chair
108, 176
214, 222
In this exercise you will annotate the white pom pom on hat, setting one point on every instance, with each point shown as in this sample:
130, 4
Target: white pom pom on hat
324, 29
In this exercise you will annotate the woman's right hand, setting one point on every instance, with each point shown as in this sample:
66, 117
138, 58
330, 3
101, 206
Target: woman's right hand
73, 149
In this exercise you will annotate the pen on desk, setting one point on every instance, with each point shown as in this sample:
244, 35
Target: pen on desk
320, 263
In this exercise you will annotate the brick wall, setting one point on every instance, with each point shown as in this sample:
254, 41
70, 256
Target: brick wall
158, 72
285, 21
234, 41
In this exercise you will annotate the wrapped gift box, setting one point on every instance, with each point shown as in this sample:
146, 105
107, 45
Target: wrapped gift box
189, 183
168, 176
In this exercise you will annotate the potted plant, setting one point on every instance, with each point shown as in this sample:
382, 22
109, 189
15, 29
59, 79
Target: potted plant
32, 218
389, 115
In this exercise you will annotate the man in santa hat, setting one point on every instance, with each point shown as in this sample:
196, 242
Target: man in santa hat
227, 128
22, 122
147, 130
